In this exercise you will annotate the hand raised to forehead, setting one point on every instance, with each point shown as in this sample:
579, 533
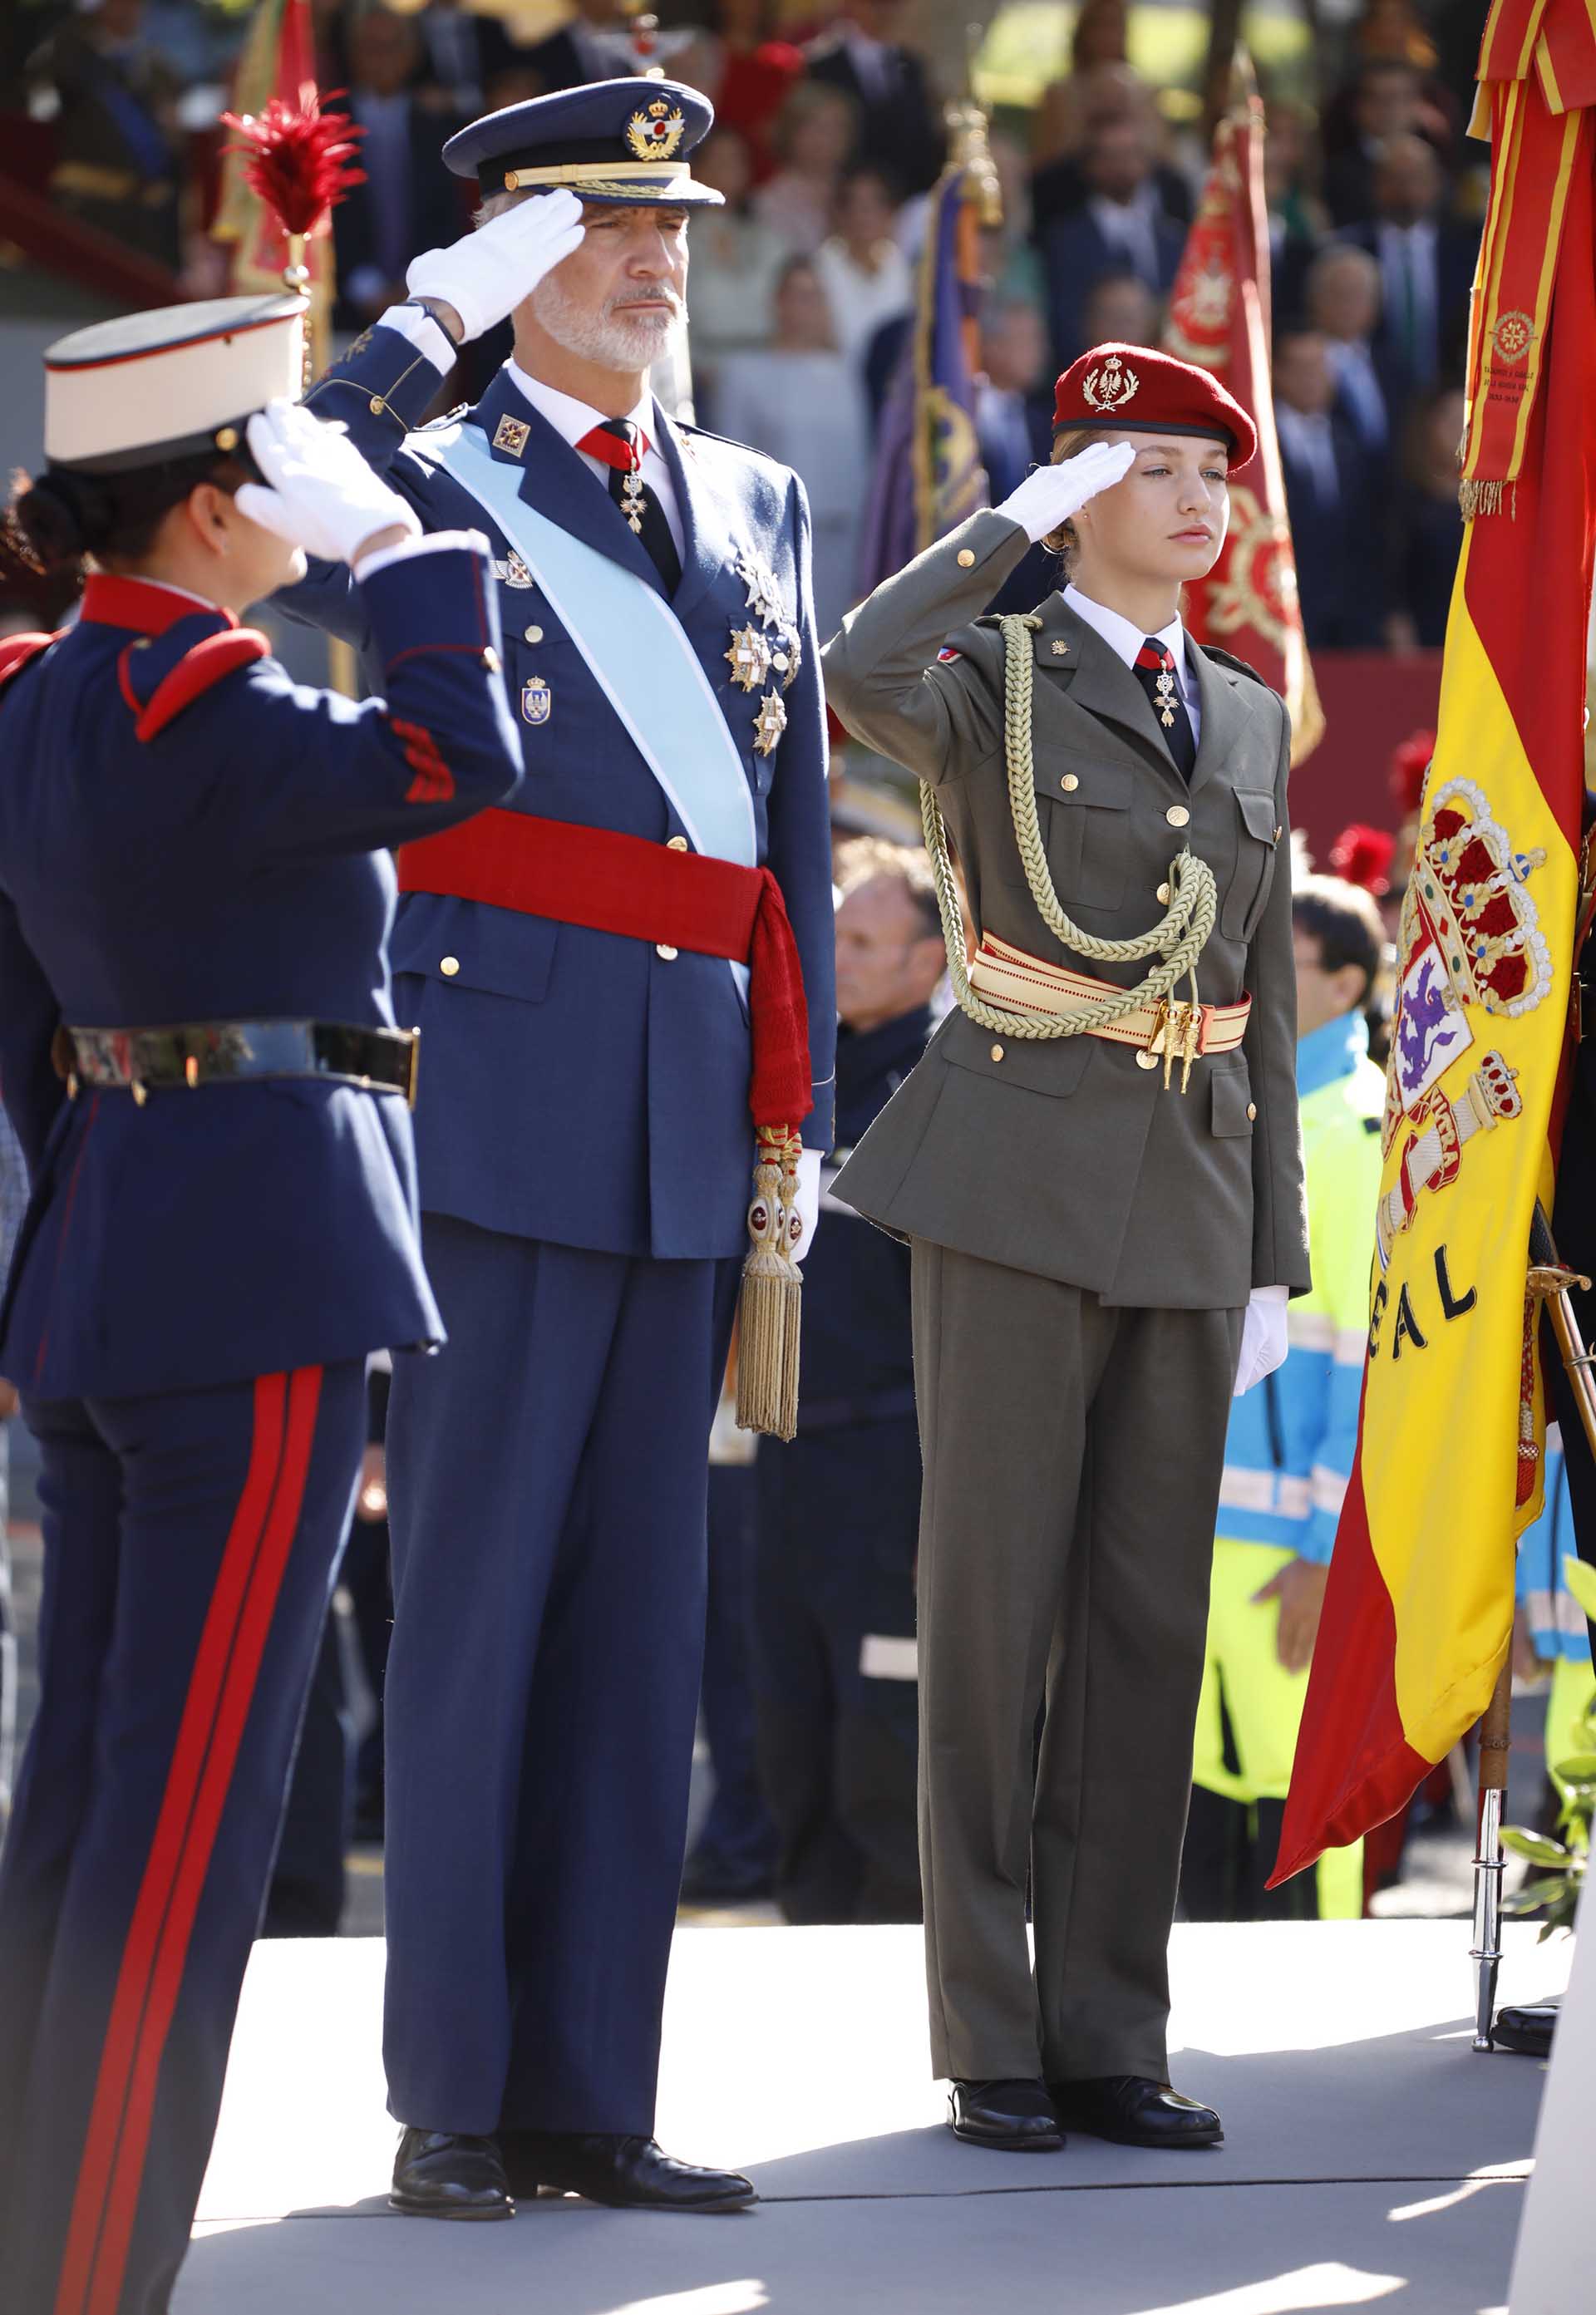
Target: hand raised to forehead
1051, 494
485, 274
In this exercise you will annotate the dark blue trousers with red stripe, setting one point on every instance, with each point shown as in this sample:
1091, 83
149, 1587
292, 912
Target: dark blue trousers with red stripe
191, 1545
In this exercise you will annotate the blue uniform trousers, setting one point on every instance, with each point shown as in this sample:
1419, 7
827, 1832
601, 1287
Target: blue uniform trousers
191, 1544
547, 1476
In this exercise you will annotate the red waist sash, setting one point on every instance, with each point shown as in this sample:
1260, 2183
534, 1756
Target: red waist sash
614, 883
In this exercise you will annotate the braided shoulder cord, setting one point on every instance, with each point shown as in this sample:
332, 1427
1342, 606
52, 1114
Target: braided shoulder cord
1177, 939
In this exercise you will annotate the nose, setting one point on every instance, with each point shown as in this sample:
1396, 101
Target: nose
1194, 496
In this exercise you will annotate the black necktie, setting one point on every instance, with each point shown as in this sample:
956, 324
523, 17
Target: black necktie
1155, 671
634, 497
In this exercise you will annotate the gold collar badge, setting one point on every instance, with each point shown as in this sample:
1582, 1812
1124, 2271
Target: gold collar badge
654, 133
511, 434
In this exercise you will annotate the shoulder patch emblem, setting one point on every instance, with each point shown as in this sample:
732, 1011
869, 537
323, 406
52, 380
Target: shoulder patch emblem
947, 652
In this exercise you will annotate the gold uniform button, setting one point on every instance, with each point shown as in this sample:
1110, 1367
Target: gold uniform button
1162, 895
667, 954
966, 558
997, 1052
1069, 783
1145, 1060
677, 844
534, 634
1252, 1110
1177, 815
491, 660
448, 966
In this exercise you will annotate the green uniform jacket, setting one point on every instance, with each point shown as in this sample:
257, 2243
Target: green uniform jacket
1065, 1157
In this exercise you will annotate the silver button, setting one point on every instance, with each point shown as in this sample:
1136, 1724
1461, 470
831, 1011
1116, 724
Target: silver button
1145, 1060
534, 634
997, 1052
663, 951
448, 966
1177, 815
1069, 783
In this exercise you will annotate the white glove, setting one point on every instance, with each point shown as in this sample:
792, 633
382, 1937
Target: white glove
1053, 493
486, 273
1262, 1336
321, 495
806, 1206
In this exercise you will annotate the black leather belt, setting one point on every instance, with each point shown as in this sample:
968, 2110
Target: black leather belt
192, 1053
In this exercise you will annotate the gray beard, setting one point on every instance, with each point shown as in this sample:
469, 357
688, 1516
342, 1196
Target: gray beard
608, 340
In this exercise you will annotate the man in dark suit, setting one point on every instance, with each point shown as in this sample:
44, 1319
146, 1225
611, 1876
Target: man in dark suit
1426, 262
1329, 498
409, 202
463, 54
1342, 298
900, 124
1121, 227
594, 46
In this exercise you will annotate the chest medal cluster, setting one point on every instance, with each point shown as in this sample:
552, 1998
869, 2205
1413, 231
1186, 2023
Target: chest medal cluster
755, 657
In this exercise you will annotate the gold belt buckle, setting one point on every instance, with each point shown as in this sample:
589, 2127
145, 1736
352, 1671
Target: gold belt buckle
414, 1069
1177, 1036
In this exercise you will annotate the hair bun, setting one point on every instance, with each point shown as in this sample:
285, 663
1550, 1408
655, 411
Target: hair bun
63, 517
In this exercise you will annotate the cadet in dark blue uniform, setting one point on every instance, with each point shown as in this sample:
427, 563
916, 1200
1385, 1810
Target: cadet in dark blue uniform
199, 1053
585, 1142
838, 1508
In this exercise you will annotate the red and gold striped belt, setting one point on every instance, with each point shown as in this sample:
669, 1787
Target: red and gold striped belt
1164, 1031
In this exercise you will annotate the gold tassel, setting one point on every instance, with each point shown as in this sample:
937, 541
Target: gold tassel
1478, 497
768, 1311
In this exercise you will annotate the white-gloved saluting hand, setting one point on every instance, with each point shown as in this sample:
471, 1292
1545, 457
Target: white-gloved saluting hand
1262, 1336
319, 493
485, 274
1053, 493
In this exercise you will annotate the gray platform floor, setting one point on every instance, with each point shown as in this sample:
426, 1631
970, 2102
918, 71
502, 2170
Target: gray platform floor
1370, 2156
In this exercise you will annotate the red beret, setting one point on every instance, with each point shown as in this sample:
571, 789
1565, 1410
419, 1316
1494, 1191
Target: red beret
1126, 387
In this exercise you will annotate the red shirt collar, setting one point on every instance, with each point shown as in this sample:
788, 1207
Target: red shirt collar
145, 605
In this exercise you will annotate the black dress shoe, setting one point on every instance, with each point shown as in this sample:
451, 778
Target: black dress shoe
1527, 2027
439, 2174
1133, 2111
630, 2174
1018, 2116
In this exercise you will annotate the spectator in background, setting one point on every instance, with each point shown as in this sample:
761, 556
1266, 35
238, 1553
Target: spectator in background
1329, 499
840, 1506
812, 138
1427, 524
802, 402
409, 202
464, 54
1092, 101
596, 44
1013, 420
899, 117
1123, 227
862, 271
1385, 100
735, 261
1121, 309
746, 74
1341, 295
1426, 262
119, 164
1297, 217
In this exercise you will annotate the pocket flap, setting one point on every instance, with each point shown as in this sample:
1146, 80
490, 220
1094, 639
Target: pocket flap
1232, 1101
465, 945
1047, 1065
1257, 810
1105, 786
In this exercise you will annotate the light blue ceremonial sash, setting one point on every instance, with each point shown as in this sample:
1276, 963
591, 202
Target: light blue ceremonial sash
633, 645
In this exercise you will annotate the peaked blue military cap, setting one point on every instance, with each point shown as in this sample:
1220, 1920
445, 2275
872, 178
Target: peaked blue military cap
621, 142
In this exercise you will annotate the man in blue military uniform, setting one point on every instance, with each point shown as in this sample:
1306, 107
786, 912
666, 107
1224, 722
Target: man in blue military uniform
585, 1143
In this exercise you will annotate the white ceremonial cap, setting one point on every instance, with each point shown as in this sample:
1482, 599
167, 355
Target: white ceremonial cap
171, 383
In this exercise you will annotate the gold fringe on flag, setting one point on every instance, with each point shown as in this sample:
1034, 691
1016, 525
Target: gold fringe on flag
770, 1307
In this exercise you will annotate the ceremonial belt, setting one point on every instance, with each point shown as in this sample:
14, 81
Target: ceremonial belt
191, 1054
1168, 1031
659, 893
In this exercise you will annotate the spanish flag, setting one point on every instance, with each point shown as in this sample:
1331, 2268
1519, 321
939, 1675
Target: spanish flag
1418, 1611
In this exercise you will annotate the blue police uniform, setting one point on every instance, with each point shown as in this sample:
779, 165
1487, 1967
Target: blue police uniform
187, 836
834, 1597
585, 1151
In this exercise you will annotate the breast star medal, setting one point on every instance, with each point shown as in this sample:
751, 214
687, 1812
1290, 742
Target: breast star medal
764, 595
513, 572
769, 724
750, 658
537, 700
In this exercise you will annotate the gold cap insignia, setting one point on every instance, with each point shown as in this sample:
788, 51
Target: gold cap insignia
511, 434
1110, 385
654, 133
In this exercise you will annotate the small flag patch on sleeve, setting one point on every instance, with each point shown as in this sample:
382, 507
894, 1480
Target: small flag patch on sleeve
947, 652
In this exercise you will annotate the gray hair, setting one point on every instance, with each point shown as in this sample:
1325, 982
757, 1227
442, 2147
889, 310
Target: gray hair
495, 204
1341, 253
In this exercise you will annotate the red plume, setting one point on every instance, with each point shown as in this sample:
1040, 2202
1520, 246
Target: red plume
1409, 764
1362, 855
300, 159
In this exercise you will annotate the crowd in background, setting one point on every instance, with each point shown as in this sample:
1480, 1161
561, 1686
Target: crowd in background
829, 133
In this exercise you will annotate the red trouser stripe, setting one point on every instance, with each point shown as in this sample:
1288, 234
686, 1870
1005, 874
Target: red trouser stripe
221, 1688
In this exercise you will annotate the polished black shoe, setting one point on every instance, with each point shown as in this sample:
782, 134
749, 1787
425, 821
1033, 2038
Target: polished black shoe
1133, 2111
1016, 2116
1527, 2027
438, 2174
630, 2174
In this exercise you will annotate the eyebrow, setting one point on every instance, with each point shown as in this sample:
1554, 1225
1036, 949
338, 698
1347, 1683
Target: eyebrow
1168, 449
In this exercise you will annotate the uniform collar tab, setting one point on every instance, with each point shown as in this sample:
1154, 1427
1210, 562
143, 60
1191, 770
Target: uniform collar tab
147, 606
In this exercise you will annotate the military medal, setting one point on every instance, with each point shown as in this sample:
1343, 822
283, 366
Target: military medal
631, 497
537, 700
787, 658
764, 595
750, 658
513, 572
511, 434
1166, 697
769, 724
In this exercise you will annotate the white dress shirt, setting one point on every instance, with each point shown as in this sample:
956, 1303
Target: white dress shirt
571, 420
1124, 638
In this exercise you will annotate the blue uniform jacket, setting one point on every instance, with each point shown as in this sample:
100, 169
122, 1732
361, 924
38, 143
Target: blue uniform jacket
580, 1087
229, 866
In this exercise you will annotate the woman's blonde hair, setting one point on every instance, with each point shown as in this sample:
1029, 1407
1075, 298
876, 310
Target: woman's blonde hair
1070, 443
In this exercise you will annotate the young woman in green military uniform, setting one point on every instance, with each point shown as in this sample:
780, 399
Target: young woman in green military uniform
1098, 1167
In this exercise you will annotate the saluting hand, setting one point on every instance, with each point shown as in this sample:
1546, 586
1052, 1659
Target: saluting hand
320, 494
485, 275
1053, 493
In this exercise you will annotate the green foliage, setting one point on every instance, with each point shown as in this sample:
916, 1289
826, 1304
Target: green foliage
1564, 1861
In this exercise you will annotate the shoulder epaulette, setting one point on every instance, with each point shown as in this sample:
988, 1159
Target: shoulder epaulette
18, 651
157, 686
1242, 666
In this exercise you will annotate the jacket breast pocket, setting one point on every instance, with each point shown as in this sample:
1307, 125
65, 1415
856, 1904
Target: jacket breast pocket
1258, 840
462, 945
1084, 809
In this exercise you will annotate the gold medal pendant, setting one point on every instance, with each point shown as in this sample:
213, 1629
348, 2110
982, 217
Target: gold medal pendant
771, 722
1166, 698
632, 498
